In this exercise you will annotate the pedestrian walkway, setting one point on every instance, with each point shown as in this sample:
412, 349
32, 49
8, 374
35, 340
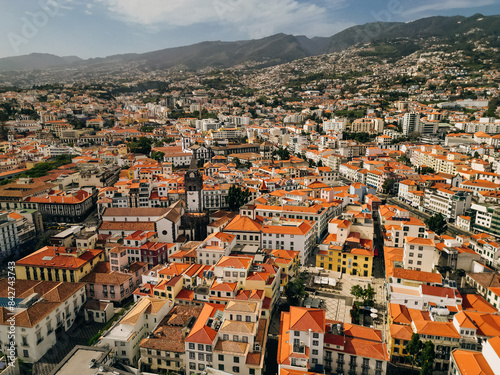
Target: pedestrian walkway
336, 309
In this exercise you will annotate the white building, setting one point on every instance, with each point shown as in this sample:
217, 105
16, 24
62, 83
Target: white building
9, 240
41, 308
420, 254
230, 338
411, 123
290, 235
124, 338
215, 246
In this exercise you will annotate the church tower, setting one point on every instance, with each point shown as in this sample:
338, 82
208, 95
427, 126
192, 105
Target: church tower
193, 185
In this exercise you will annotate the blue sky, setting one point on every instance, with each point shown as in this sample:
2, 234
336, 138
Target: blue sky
97, 28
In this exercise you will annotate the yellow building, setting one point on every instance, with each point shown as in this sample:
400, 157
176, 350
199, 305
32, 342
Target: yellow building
353, 262
400, 332
169, 288
288, 261
58, 264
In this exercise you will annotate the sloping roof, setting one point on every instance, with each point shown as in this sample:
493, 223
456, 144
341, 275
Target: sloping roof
471, 363
304, 319
243, 223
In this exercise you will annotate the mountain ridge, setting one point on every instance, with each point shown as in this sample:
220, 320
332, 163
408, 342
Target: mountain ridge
271, 50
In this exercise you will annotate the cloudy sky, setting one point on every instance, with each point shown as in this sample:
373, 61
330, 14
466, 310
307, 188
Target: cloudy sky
97, 28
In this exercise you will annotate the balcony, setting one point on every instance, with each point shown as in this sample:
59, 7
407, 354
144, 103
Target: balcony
301, 349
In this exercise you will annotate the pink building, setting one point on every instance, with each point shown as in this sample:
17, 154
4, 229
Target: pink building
115, 286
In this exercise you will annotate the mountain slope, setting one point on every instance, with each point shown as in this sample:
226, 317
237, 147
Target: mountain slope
272, 50
35, 61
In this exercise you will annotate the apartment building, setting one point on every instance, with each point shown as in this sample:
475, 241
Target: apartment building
115, 286
420, 254
486, 218
450, 203
65, 207
215, 246
52, 263
349, 246
246, 230
290, 235
310, 342
398, 228
41, 309
464, 362
319, 213
164, 350
443, 335
124, 338
230, 338
9, 235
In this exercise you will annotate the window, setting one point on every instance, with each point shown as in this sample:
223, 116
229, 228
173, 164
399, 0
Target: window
201, 347
315, 351
201, 357
236, 359
315, 342
296, 333
236, 369
192, 355
316, 335
26, 354
191, 345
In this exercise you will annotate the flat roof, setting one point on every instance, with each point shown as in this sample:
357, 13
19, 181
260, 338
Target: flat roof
79, 359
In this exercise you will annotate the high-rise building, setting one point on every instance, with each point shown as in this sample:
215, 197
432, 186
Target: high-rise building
411, 123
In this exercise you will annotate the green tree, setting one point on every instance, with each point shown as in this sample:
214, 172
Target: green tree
492, 107
427, 358
141, 146
158, 156
388, 185
357, 291
368, 294
283, 153
437, 223
365, 294
237, 197
420, 354
426, 170
414, 348
295, 292
237, 162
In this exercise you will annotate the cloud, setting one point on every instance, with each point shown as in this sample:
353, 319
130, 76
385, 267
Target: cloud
448, 5
255, 18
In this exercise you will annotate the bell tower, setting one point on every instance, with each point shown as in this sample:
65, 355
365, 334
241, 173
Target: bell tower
193, 185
